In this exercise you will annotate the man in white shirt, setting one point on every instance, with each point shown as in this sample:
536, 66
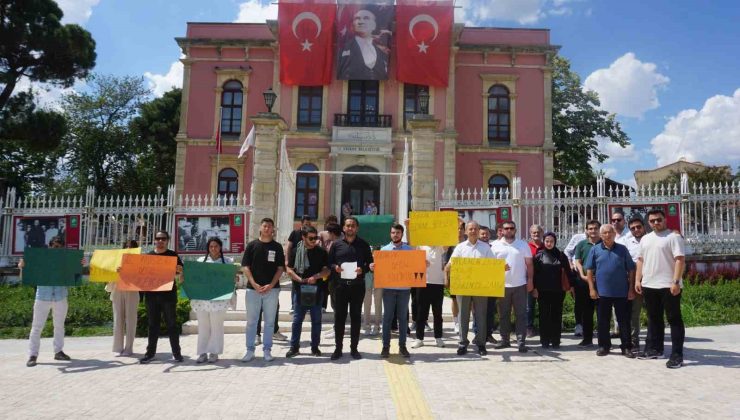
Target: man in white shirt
659, 272
471, 248
519, 279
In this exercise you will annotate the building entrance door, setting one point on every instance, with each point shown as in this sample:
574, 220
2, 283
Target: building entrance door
360, 189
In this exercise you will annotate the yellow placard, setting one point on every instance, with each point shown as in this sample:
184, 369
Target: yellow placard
433, 228
400, 269
104, 264
477, 277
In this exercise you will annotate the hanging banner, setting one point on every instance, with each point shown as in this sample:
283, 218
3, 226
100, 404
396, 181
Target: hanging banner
424, 33
37, 231
193, 232
306, 30
364, 40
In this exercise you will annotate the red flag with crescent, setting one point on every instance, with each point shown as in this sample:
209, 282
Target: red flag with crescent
423, 33
306, 30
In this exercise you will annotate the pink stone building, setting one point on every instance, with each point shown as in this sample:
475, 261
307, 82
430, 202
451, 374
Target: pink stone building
492, 123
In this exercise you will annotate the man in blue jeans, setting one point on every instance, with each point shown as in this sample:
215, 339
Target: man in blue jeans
307, 265
395, 301
263, 264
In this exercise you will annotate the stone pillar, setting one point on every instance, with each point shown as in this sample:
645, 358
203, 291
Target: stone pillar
423, 135
548, 147
263, 194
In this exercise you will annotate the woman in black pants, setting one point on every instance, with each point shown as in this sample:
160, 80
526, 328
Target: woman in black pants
552, 278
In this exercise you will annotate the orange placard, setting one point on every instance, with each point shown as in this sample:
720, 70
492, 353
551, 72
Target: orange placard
147, 273
400, 269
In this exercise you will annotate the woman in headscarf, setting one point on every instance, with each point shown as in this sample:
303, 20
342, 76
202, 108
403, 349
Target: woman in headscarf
552, 278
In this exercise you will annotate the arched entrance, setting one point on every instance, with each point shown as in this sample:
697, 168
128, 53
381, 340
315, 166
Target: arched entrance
359, 188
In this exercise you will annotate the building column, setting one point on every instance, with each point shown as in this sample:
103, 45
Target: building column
182, 131
548, 145
423, 135
263, 194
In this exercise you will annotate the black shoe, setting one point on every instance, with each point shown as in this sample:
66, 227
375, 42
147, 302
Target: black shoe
337, 354
146, 359
602, 351
649, 354
315, 351
490, 339
291, 353
545, 345
556, 346
462, 350
403, 351
385, 352
585, 344
178, 358
501, 345
482, 350
674, 362
31, 361
355, 354
628, 353
61, 356
523, 348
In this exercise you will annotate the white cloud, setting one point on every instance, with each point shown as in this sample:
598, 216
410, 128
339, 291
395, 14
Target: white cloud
629, 87
256, 11
162, 83
710, 135
617, 152
77, 11
524, 12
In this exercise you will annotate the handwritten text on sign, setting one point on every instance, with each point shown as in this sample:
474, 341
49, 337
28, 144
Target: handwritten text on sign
147, 273
400, 269
433, 228
477, 277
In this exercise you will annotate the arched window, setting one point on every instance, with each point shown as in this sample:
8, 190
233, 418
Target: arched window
307, 192
497, 185
231, 108
228, 182
498, 115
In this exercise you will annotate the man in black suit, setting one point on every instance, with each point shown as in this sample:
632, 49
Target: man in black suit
360, 58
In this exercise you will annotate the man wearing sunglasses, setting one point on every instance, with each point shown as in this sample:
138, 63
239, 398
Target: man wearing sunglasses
659, 270
158, 303
308, 264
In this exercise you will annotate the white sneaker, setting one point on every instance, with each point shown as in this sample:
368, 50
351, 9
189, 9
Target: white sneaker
212, 358
457, 327
248, 357
440, 342
258, 340
278, 336
268, 356
579, 331
202, 358
417, 344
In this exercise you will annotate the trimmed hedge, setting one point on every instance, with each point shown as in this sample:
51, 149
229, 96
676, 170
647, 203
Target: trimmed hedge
89, 314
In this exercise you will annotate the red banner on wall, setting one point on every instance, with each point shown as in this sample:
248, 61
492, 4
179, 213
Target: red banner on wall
424, 31
306, 32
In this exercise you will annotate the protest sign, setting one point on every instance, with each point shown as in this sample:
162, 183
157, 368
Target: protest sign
208, 281
147, 273
477, 277
375, 230
52, 267
104, 264
400, 269
433, 228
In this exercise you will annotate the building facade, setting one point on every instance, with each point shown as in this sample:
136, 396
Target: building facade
490, 124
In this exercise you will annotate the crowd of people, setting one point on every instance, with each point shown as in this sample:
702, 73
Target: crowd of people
612, 269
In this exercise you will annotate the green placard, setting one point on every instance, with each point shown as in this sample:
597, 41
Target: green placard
376, 230
208, 281
52, 267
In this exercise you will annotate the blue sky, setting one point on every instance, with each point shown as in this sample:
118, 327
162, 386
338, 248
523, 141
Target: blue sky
670, 70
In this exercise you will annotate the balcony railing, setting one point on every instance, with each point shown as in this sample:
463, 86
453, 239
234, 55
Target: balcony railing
372, 120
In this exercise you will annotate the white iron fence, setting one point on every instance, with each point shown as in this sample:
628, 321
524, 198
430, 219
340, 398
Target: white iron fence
102, 222
707, 215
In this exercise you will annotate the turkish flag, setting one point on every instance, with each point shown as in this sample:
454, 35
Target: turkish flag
423, 34
305, 34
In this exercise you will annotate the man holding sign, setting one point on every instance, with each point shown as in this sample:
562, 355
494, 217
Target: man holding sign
395, 300
158, 303
471, 248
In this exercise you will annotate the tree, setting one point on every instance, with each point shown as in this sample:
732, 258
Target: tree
100, 149
155, 130
34, 44
706, 176
577, 124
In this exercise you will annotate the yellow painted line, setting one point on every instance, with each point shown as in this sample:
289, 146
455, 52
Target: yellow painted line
405, 390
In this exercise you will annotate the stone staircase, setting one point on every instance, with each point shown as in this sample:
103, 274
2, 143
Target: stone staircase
236, 320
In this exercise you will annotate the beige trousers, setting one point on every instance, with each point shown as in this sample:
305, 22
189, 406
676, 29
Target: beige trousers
125, 313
